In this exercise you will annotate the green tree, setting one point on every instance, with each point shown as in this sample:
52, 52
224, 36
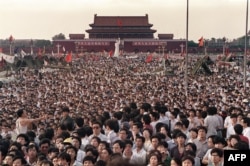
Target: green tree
59, 36
192, 44
42, 43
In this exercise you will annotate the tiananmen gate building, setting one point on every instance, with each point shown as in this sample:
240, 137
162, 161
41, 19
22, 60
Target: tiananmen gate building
135, 34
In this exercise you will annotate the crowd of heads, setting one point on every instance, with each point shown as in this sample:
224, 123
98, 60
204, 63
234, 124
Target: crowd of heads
120, 112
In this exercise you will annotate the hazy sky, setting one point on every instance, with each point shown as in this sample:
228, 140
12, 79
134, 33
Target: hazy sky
42, 19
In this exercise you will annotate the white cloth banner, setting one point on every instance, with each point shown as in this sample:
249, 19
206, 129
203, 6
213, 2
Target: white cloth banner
7, 58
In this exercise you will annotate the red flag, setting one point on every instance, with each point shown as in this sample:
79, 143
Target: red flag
166, 56
201, 42
183, 53
1, 50
119, 22
111, 53
227, 52
11, 38
68, 57
149, 58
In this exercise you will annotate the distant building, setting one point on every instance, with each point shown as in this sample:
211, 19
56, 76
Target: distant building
134, 32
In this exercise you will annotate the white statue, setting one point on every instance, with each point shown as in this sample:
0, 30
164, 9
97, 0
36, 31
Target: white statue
117, 43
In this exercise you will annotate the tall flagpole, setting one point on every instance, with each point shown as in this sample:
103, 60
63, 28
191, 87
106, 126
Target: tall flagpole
186, 57
245, 56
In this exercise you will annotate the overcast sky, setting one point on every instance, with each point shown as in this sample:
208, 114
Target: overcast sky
42, 19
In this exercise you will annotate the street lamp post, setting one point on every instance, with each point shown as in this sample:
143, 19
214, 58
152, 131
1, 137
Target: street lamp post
186, 57
159, 49
11, 39
182, 46
205, 46
163, 47
224, 46
58, 48
164, 63
245, 56
31, 47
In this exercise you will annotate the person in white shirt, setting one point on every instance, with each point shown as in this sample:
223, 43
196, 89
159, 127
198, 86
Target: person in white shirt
127, 153
76, 142
154, 120
216, 157
227, 121
23, 122
111, 127
97, 127
163, 117
194, 121
246, 127
230, 128
72, 151
139, 153
211, 121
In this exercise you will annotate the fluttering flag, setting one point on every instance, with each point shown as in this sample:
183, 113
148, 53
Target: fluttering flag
11, 39
183, 54
23, 54
68, 58
119, 22
227, 51
45, 63
201, 42
111, 53
166, 56
63, 49
149, 58
39, 53
7, 58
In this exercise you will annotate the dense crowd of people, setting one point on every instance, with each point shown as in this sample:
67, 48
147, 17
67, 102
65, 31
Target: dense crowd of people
121, 112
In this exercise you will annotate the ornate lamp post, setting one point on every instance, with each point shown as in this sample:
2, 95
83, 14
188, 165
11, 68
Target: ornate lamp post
245, 54
31, 47
186, 57
163, 47
11, 40
159, 49
224, 45
182, 47
205, 46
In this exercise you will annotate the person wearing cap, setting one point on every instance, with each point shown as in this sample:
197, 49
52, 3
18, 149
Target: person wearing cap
23, 122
